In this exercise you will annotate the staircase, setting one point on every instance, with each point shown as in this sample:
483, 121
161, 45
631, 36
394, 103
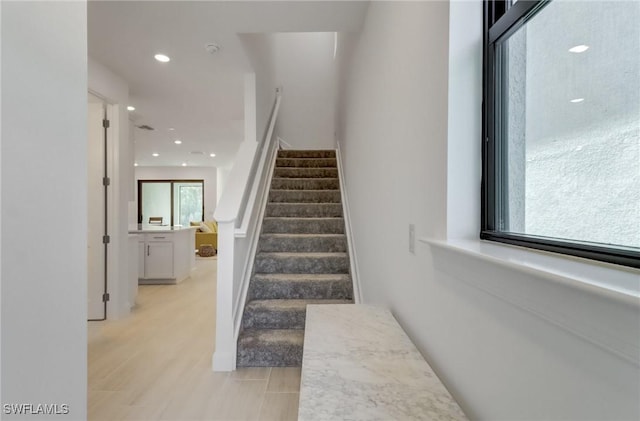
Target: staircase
301, 259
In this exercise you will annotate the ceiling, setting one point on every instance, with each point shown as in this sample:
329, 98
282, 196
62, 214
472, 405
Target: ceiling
197, 94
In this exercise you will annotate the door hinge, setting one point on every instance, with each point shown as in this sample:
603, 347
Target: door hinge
105, 297
105, 123
106, 239
106, 181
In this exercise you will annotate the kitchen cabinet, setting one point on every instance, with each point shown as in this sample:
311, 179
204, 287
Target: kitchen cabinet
165, 254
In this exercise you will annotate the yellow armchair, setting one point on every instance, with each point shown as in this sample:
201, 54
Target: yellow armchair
206, 237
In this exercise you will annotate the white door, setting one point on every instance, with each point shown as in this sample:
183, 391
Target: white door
96, 213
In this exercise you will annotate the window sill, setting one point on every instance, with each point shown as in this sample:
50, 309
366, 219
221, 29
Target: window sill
596, 301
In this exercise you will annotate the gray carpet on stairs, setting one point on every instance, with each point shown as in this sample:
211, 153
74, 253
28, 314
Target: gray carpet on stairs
301, 259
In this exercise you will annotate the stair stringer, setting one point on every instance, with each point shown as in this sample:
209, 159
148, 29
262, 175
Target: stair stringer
353, 261
251, 256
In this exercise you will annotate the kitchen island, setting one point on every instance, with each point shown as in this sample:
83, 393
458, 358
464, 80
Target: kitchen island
165, 253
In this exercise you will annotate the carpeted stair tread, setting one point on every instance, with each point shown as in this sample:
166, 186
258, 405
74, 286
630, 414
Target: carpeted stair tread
301, 286
302, 258
304, 277
280, 262
305, 243
304, 196
281, 225
270, 348
301, 172
290, 183
280, 313
306, 153
308, 210
307, 162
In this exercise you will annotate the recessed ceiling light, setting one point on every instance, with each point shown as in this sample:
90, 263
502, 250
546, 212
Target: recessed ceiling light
177, 141
579, 48
576, 100
162, 58
135, 164
155, 154
184, 164
131, 108
171, 129
212, 155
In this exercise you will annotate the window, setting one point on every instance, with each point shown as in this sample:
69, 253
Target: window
171, 202
561, 157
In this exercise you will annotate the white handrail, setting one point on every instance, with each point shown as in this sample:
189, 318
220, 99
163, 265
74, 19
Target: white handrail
233, 203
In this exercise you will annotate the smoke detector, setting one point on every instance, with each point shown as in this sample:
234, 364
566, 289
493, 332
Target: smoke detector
212, 48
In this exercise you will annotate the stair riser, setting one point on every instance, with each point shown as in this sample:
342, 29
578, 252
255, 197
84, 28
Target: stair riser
309, 210
304, 196
289, 153
305, 184
268, 290
331, 244
261, 318
307, 162
274, 356
292, 172
303, 264
303, 226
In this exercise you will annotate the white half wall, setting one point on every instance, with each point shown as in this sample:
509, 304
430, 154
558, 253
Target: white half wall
208, 174
404, 157
43, 178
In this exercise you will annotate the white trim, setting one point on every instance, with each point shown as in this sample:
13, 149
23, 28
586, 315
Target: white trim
283, 144
225, 348
557, 291
223, 361
355, 278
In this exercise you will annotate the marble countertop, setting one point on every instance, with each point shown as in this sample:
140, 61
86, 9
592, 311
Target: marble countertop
144, 228
358, 364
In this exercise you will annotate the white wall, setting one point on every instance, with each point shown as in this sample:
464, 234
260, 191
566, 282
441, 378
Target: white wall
222, 175
305, 69
259, 51
115, 91
464, 152
404, 159
208, 174
302, 64
44, 182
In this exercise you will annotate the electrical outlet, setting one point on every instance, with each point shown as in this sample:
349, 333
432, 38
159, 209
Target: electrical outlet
412, 238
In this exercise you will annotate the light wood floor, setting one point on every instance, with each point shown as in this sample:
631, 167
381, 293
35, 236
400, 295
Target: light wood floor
156, 364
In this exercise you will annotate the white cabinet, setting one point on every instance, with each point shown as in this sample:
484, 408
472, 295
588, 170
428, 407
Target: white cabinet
159, 260
165, 257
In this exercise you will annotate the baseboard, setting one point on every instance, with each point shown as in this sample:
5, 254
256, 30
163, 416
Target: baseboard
223, 361
357, 291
